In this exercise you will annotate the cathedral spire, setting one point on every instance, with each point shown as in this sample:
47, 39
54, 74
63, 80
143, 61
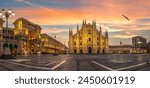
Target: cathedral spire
83, 22
100, 30
69, 31
106, 33
77, 26
77, 29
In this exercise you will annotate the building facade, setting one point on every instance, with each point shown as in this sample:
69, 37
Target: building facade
51, 45
139, 44
26, 38
88, 39
148, 46
120, 49
28, 35
7, 39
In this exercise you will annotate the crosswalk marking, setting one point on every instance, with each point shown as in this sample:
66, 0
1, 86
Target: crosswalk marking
119, 69
35, 67
29, 66
56, 66
20, 60
110, 69
131, 66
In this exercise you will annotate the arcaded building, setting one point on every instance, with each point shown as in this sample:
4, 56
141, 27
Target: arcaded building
26, 38
51, 45
28, 35
88, 39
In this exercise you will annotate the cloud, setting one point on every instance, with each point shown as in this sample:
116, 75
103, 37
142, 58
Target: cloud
62, 34
143, 21
67, 4
124, 35
55, 31
25, 1
34, 5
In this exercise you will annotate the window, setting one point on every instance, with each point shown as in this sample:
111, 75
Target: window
89, 31
74, 43
98, 51
89, 39
81, 43
75, 51
80, 50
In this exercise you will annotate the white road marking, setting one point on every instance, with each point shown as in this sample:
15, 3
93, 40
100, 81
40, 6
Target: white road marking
29, 66
130, 66
20, 60
56, 66
50, 63
120, 61
110, 69
119, 69
36, 67
41, 62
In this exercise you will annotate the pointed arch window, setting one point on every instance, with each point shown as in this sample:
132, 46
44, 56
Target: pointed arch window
89, 39
89, 31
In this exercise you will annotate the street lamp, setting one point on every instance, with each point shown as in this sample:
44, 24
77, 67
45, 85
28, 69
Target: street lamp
6, 14
64, 47
54, 35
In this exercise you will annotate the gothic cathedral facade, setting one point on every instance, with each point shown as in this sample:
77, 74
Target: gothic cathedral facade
88, 39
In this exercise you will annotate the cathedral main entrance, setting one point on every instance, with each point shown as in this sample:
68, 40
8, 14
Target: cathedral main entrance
89, 50
80, 51
103, 51
75, 51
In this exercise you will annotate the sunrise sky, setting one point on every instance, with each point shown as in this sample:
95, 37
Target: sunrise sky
56, 16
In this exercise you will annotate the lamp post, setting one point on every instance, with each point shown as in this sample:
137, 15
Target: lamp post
139, 45
54, 35
64, 48
6, 14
